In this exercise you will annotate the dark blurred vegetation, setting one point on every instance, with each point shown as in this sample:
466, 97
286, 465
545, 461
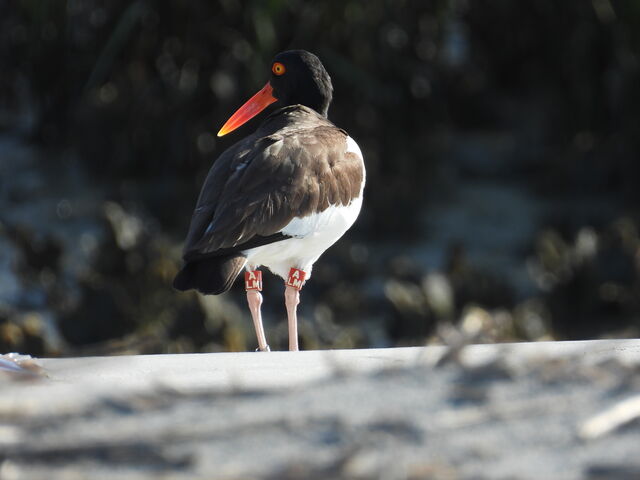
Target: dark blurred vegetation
502, 141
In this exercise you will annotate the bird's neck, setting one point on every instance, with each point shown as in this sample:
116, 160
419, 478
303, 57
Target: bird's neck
319, 104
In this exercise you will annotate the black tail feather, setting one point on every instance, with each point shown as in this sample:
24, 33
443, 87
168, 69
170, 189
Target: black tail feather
211, 276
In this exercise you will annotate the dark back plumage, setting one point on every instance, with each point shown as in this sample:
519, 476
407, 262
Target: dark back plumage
294, 165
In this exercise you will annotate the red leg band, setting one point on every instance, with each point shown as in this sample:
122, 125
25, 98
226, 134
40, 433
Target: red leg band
253, 280
296, 278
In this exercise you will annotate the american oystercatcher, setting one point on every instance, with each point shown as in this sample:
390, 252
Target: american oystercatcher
279, 197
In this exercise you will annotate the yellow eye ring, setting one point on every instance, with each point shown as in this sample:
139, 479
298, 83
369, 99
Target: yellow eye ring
278, 68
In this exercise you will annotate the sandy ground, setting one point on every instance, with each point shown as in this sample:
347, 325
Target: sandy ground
553, 410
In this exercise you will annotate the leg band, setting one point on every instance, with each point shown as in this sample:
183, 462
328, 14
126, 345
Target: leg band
253, 280
295, 278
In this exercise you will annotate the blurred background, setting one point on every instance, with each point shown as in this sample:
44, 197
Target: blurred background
502, 142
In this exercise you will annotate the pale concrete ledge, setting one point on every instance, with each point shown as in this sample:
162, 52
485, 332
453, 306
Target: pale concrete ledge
537, 410
278, 369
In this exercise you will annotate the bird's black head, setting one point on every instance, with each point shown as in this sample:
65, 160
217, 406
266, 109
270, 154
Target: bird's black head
298, 77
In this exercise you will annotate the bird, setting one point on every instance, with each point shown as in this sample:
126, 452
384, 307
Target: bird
277, 198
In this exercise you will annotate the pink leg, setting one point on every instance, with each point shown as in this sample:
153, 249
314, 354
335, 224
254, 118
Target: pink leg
253, 285
291, 300
294, 283
254, 299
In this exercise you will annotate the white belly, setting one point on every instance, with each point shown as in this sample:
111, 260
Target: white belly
312, 236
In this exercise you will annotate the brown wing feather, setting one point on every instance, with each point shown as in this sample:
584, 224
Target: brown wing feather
258, 186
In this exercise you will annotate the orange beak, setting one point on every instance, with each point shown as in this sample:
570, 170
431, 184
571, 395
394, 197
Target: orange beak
250, 109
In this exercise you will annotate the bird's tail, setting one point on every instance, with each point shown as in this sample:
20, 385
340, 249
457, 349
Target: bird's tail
212, 275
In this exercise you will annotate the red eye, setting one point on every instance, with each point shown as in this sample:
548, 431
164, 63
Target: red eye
278, 68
